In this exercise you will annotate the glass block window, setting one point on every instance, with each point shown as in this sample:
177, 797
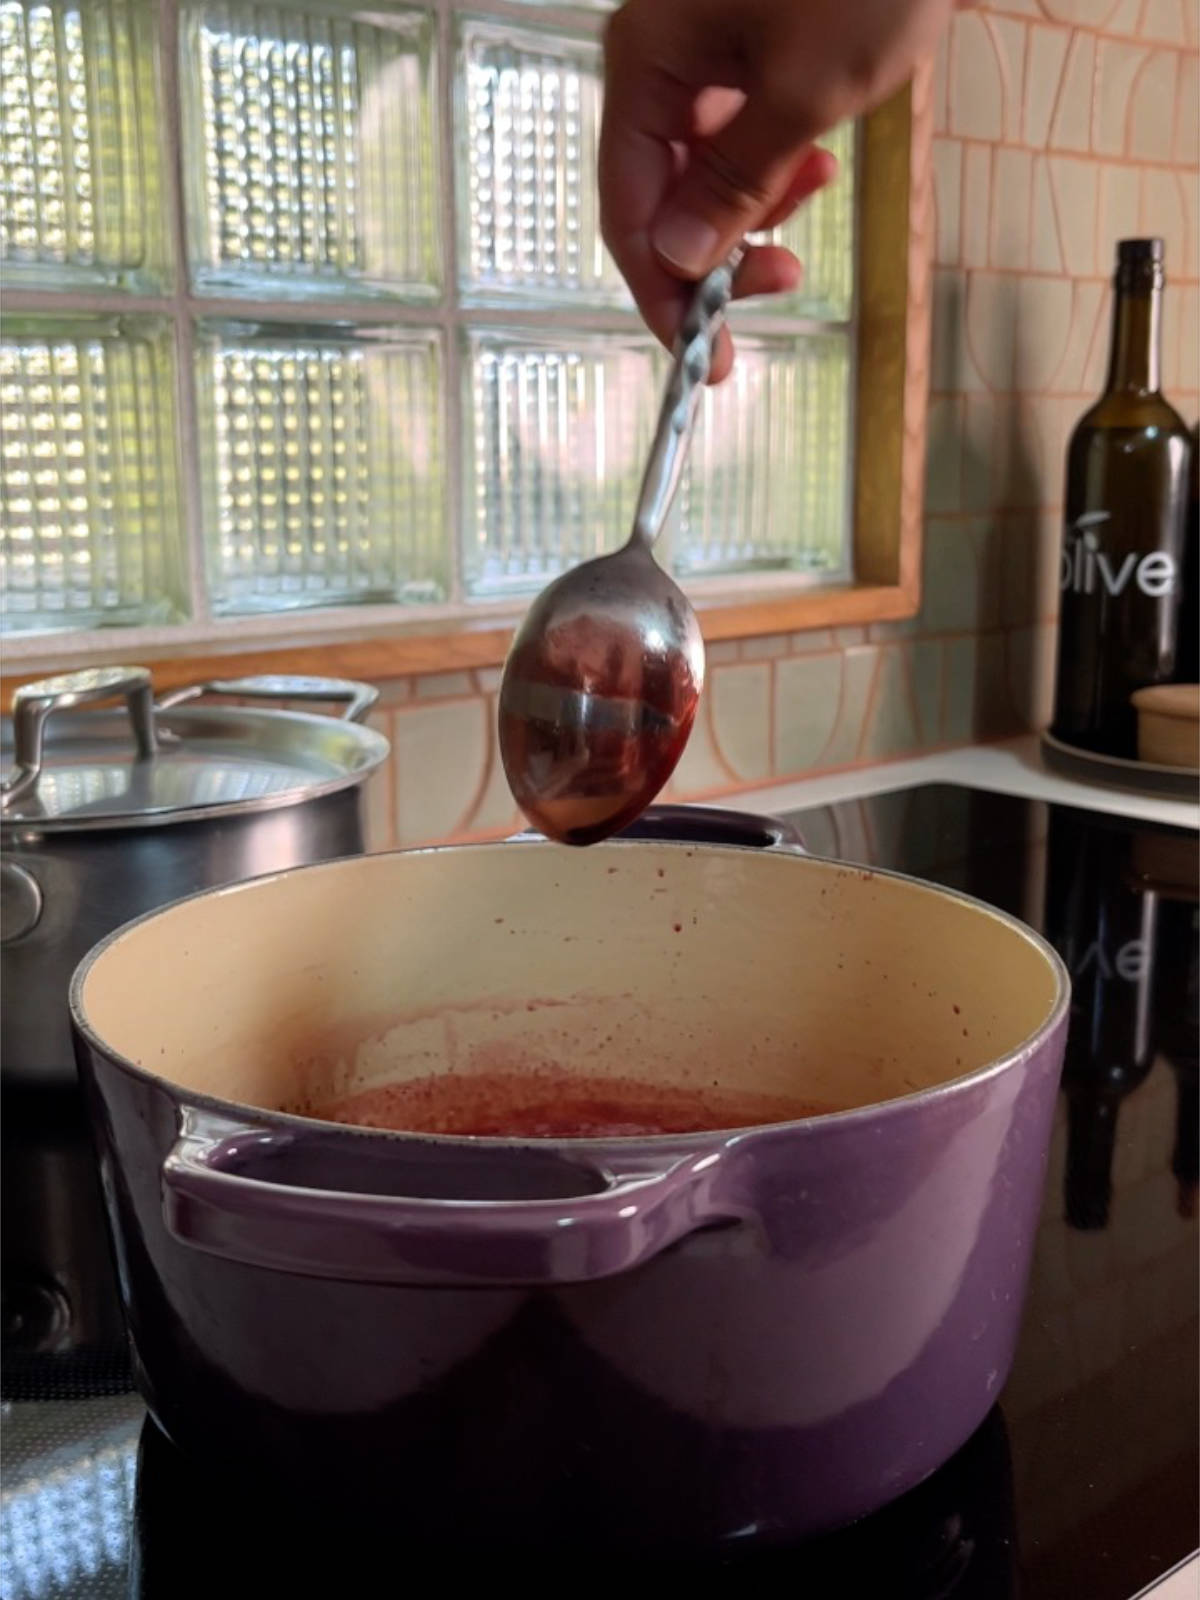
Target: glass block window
529, 224
87, 444
557, 430
316, 157
79, 150
758, 468
307, 308
323, 466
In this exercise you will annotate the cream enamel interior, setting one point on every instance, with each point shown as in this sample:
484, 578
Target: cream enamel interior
759, 971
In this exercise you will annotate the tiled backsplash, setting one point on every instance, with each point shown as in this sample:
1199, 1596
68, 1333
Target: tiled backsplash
1061, 126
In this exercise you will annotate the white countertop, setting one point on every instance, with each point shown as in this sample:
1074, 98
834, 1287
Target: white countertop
1181, 1583
1014, 767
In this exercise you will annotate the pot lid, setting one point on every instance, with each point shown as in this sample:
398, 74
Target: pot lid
165, 761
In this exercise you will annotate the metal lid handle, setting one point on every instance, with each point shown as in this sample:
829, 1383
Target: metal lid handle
358, 698
34, 702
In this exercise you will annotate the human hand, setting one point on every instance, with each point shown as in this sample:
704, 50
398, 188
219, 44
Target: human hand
711, 111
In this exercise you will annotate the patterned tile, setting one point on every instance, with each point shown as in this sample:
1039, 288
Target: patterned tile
1186, 145
1165, 20
495, 811
701, 769
994, 713
1045, 249
1163, 213
943, 468
979, 447
1125, 17
1071, 122
444, 686
890, 724
1117, 67
1120, 210
741, 718
1010, 40
808, 701
1188, 186
815, 639
1029, 660
958, 699
766, 647
1043, 76
1012, 187
951, 370
1152, 108
976, 204
379, 795
976, 81
721, 650
1074, 185
1087, 315
927, 658
1188, 376
1081, 13
941, 85
439, 764
991, 317
1042, 331
947, 200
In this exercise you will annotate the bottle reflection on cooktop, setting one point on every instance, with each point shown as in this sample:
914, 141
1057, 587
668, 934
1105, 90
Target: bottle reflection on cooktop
1103, 925
951, 1538
1171, 878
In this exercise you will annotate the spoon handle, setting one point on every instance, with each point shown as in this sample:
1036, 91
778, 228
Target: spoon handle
689, 372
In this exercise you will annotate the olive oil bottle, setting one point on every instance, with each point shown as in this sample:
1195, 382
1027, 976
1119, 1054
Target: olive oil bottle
1125, 504
1187, 653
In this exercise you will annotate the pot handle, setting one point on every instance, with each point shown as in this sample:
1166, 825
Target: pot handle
358, 698
684, 824
328, 1203
33, 703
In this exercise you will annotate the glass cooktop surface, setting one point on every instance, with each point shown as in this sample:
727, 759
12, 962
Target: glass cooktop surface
1083, 1481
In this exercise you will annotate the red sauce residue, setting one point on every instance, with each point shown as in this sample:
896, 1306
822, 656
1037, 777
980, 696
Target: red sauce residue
553, 1104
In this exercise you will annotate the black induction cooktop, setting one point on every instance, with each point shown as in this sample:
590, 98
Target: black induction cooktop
1082, 1483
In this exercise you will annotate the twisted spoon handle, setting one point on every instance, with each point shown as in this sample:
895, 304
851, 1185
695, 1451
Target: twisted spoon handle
689, 372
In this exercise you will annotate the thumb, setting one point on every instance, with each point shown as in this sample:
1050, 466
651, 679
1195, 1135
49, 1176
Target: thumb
731, 183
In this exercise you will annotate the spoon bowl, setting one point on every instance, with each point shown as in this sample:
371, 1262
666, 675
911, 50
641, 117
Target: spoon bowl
602, 682
599, 695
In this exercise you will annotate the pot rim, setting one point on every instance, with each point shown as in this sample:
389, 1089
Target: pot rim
703, 1138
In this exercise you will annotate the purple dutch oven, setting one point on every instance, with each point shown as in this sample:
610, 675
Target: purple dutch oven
676, 1340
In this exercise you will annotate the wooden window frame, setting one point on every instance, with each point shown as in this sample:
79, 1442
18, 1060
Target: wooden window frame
891, 382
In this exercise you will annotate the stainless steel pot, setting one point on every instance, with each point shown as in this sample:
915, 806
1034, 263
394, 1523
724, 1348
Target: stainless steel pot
105, 815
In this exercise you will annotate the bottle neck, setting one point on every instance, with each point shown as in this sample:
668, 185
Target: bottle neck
1091, 1137
1135, 361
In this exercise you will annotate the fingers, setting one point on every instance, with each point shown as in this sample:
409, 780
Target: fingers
814, 170
732, 181
678, 132
659, 293
764, 270
647, 123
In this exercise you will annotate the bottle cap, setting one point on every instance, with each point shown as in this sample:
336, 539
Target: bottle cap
1139, 252
1139, 264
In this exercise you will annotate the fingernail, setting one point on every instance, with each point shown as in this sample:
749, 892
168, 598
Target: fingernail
687, 242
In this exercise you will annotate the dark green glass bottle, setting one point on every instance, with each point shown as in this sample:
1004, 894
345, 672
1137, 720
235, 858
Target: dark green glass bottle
1187, 654
1126, 495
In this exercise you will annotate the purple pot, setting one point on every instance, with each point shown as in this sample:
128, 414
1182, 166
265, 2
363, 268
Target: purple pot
678, 1340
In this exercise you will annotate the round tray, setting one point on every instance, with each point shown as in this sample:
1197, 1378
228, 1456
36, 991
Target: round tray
1145, 776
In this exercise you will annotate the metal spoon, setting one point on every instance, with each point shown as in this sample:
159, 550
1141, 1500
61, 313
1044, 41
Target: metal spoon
602, 682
